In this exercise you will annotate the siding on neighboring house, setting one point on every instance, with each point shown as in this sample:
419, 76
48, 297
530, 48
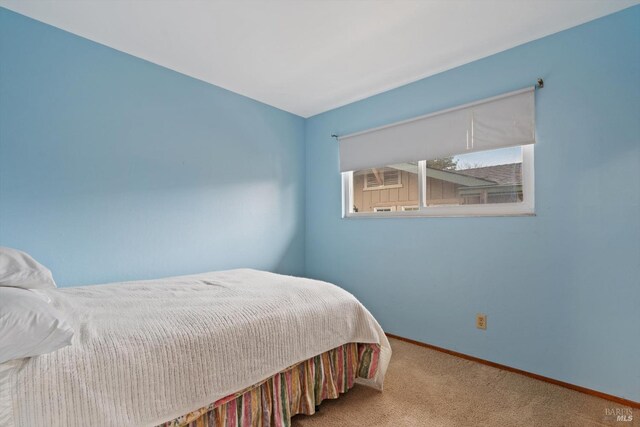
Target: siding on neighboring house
440, 191
367, 200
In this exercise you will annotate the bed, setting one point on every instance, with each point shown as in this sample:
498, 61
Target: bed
239, 347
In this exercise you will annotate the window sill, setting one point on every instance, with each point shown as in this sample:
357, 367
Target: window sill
447, 212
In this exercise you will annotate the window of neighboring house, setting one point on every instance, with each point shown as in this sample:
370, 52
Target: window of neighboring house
384, 209
410, 208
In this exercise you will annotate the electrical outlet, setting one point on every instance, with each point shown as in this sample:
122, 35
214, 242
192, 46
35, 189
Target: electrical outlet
481, 321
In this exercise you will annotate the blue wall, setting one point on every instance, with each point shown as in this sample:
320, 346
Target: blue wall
561, 290
112, 168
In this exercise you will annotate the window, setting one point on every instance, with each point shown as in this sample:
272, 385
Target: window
475, 179
494, 182
472, 160
410, 208
385, 209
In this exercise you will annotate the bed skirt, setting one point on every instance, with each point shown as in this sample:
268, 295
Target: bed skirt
296, 390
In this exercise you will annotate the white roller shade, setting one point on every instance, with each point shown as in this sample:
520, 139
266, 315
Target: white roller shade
503, 121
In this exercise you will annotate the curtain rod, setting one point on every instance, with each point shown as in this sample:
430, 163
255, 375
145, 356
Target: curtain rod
539, 85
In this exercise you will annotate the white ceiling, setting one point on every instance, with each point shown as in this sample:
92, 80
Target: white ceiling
309, 56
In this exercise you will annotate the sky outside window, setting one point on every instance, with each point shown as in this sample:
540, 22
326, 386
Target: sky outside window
503, 156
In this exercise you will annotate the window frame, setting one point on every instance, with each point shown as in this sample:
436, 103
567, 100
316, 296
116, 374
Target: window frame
524, 208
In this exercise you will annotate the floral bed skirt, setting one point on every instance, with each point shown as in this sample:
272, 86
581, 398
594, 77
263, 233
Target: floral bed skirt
296, 390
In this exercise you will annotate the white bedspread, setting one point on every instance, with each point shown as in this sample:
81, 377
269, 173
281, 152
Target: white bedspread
149, 351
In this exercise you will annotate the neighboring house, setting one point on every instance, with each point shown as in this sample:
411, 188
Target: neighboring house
396, 188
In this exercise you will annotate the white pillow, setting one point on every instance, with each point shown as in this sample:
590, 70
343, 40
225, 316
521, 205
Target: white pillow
29, 326
19, 270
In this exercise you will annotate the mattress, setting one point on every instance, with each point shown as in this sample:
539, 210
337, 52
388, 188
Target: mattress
147, 352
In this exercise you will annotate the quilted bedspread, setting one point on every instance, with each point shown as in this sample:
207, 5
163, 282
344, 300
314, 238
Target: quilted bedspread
149, 351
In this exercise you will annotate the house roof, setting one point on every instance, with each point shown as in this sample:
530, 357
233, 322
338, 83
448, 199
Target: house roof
509, 174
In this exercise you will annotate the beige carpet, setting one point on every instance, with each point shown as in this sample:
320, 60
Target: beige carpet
424, 387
